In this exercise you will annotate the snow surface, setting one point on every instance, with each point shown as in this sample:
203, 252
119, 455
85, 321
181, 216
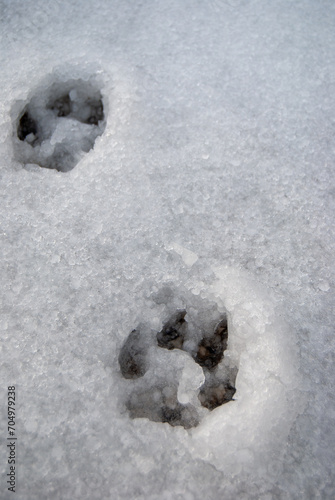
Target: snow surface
210, 178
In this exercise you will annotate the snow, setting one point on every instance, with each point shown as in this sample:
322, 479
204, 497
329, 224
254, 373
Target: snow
204, 185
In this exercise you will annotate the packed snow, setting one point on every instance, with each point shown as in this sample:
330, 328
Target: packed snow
167, 238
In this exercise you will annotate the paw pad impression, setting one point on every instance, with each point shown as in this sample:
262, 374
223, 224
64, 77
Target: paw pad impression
178, 373
59, 125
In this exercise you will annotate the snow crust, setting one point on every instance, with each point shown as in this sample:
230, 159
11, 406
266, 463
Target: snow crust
207, 185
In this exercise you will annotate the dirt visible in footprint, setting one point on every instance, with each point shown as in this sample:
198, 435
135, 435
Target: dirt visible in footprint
173, 333
132, 357
27, 126
154, 405
217, 394
211, 348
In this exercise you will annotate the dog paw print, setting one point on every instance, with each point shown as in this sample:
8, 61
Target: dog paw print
175, 373
59, 125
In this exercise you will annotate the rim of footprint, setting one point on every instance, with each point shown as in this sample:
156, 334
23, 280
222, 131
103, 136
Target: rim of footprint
178, 373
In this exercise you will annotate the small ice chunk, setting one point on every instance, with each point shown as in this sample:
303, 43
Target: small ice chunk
324, 286
188, 256
30, 138
73, 94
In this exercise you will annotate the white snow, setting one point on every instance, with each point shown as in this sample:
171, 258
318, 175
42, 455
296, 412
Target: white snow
207, 185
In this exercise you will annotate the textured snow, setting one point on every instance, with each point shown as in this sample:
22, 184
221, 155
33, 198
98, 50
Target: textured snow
209, 187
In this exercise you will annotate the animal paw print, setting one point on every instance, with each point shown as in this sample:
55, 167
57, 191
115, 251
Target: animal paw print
59, 125
175, 372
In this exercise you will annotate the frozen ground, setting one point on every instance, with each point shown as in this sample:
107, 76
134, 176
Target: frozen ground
190, 154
